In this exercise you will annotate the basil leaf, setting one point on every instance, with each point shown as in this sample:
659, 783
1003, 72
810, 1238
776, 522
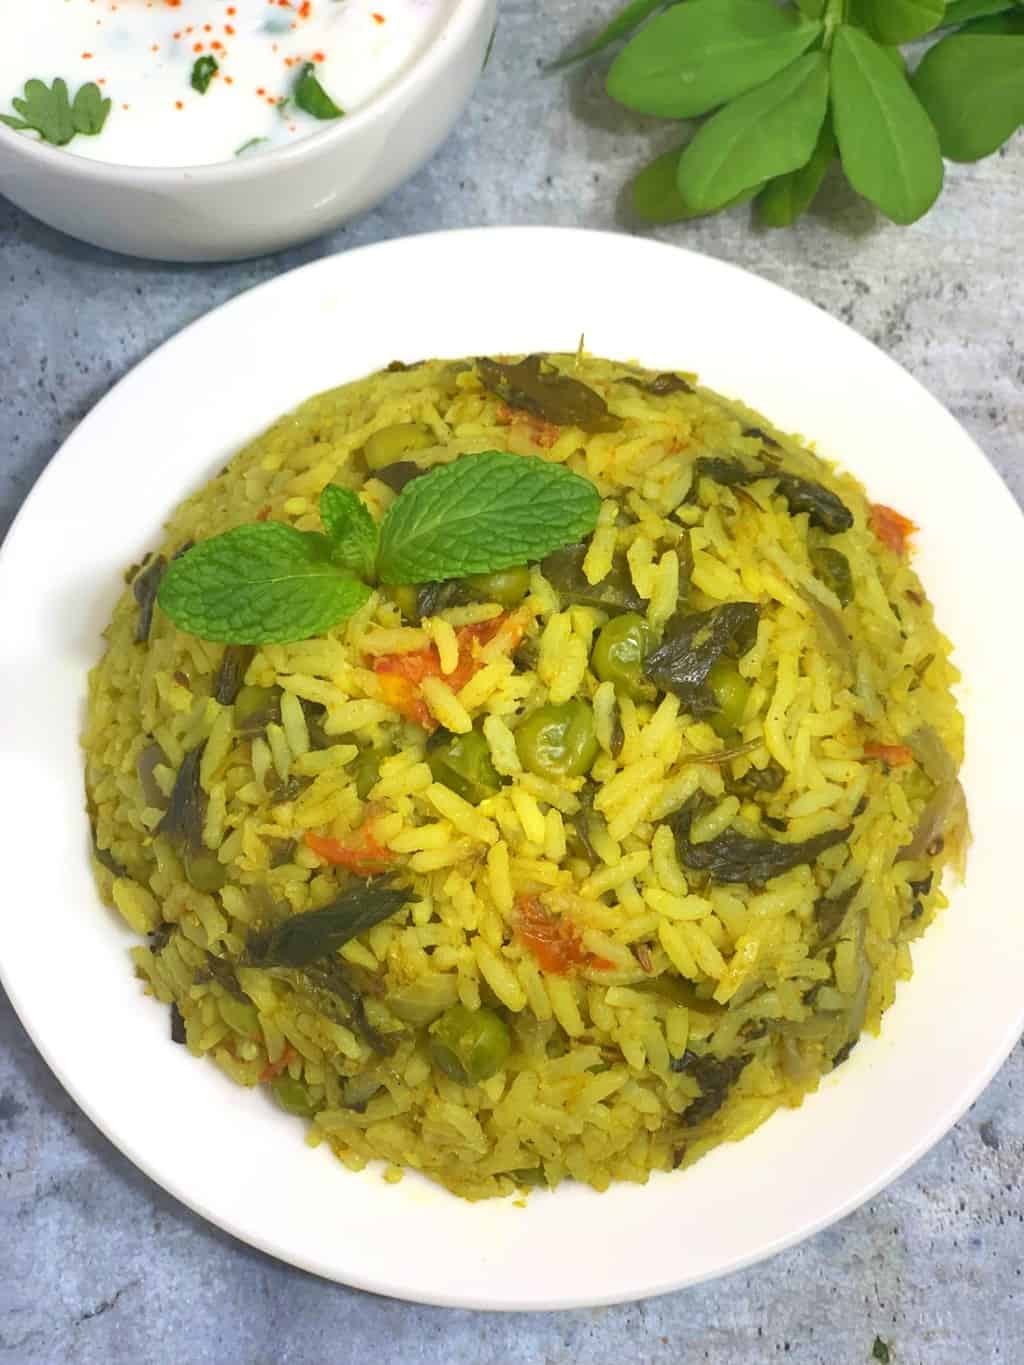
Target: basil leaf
699, 55
483, 513
888, 145
765, 133
311, 97
962, 11
624, 22
264, 583
898, 21
350, 529
973, 90
788, 197
203, 71
655, 192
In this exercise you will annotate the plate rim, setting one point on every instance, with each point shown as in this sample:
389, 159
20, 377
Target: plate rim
803, 1228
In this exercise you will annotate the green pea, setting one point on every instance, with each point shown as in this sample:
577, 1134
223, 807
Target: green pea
558, 741
730, 690
255, 708
469, 1046
389, 444
406, 598
366, 771
204, 870
619, 653
463, 763
292, 1096
507, 587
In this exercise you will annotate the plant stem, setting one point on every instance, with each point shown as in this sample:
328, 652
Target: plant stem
835, 14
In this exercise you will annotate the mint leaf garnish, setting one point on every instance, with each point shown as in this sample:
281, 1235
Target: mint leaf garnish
203, 71
483, 513
350, 529
269, 583
48, 111
310, 95
264, 583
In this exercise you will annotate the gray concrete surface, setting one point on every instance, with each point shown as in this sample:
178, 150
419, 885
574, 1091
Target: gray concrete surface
97, 1265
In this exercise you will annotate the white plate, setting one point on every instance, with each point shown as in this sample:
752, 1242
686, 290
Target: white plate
170, 425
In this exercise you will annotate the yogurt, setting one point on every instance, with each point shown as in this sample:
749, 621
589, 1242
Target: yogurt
143, 55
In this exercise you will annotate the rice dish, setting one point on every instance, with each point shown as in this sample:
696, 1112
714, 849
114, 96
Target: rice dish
640, 834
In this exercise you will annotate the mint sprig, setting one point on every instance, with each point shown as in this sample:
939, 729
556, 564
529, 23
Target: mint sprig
483, 513
260, 584
351, 530
269, 583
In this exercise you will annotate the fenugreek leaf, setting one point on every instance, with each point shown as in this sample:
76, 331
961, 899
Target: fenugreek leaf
624, 23
963, 11
699, 55
767, 132
788, 197
898, 21
888, 145
315, 934
972, 86
655, 192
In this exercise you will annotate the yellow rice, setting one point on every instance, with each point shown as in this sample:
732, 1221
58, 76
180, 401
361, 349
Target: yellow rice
697, 1008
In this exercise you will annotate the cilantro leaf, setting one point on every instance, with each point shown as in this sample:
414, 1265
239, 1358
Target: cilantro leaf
351, 530
482, 513
203, 71
48, 111
263, 583
89, 110
310, 95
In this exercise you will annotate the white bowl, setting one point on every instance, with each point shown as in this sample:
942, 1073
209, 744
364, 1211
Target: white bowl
63, 957
234, 209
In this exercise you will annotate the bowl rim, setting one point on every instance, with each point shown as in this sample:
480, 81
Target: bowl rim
416, 77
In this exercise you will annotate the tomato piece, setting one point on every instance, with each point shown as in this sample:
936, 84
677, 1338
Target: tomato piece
273, 1069
401, 674
403, 695
555, 941
364, 855
895, 755
891, 527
